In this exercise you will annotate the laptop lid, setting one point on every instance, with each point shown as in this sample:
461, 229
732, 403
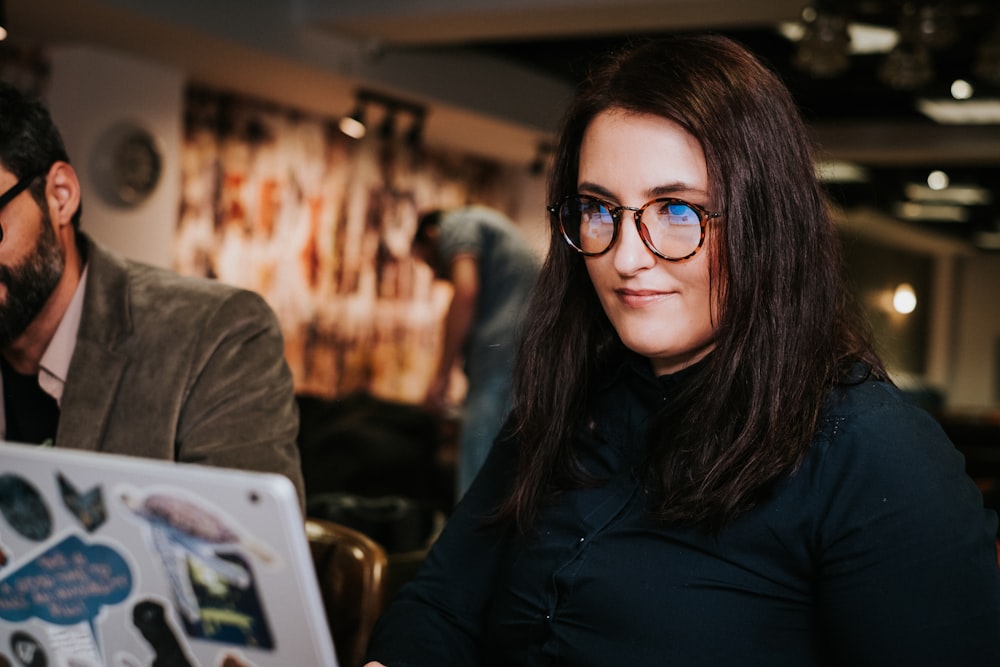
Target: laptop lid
110, 560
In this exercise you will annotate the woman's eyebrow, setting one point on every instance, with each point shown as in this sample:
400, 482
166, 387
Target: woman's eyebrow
670, 189
587, 186
664, 190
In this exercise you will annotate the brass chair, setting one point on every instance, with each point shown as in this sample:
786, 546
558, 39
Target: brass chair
351, 569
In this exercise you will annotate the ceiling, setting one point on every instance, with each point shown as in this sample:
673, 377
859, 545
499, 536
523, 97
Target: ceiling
495, 74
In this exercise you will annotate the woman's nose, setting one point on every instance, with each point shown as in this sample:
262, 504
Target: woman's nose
631, 253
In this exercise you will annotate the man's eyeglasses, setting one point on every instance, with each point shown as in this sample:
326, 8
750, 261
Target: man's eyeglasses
671, 228
12, 192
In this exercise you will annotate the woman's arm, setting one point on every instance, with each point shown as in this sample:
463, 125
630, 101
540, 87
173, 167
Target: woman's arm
437, 619
908, 559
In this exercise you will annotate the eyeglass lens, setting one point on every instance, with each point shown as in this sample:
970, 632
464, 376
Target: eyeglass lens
671, 226
12, 192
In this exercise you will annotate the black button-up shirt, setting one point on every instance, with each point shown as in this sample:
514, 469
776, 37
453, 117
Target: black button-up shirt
876, 551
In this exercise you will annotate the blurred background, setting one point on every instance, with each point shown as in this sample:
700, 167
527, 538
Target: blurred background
210, 137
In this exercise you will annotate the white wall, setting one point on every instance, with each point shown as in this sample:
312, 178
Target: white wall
91, 90
974, 383
528, 211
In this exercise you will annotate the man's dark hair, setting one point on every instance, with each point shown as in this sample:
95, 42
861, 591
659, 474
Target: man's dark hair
30, 143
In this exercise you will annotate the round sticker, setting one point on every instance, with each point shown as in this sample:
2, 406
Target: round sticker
23, 507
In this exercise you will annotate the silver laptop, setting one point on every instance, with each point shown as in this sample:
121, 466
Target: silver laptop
125, 562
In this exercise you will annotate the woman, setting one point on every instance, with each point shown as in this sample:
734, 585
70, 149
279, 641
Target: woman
706, 463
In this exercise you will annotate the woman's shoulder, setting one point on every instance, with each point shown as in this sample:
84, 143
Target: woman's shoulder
864, 403
871, 434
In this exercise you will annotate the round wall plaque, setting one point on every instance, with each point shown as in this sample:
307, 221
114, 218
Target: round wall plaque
127, 164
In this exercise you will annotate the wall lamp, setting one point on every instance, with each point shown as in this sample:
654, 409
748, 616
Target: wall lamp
904, 299
354, 124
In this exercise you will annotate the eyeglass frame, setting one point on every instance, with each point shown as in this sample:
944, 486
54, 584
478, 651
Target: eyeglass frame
704, 215
16, 189
12, 192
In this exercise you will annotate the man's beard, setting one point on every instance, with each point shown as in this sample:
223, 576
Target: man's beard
30, 284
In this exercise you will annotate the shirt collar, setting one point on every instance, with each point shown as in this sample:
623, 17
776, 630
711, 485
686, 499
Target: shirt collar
54, 365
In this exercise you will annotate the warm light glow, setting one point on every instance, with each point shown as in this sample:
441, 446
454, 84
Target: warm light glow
961, 112
841, 172
911, 210
865, 38
967, 195
3, 33
937, 180
904, 300
352, 127
961, 89
987, 240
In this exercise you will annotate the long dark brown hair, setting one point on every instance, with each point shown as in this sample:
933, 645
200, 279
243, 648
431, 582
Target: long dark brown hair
785, 330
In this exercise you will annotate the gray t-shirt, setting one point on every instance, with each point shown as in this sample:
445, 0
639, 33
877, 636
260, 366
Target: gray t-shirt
508, 269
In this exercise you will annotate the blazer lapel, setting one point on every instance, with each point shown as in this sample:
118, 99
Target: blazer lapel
93, 381
100, 356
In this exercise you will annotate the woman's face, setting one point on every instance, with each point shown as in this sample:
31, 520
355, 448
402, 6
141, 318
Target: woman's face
662, 310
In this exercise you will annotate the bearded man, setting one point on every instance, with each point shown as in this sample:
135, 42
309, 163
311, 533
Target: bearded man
101, 353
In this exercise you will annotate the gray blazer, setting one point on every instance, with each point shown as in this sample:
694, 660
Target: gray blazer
178, 368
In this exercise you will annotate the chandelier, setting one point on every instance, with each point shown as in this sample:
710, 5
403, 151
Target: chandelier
922, 31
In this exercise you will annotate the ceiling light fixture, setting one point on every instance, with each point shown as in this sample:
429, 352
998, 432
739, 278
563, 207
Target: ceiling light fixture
930, 212
907, 67
3, 20
823, 49
865, 38
931, 24
387, 128
841, 172
964, 195
354, 124
980, 111
937, 180
414, 136
961, 89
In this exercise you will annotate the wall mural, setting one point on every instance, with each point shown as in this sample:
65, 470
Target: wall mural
284, 204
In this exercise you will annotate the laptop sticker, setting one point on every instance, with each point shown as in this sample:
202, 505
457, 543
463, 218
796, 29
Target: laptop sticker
88, 507
66, 585
150, 618
22, 506
208, 563
27, 650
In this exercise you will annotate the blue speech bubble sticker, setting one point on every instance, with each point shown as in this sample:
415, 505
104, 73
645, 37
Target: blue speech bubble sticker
67, 584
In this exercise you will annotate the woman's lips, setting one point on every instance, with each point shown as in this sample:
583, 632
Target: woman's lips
637, 298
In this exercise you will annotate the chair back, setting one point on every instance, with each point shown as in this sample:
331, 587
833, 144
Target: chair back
351, 569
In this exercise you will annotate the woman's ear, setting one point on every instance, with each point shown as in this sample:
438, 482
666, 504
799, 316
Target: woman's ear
62, 192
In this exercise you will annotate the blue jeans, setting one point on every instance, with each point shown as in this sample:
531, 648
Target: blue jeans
483, 412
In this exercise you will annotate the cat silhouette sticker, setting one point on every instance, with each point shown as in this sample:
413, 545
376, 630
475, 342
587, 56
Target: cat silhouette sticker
87, 507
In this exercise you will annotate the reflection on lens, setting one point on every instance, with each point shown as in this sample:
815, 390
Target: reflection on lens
674, 228
671, 228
